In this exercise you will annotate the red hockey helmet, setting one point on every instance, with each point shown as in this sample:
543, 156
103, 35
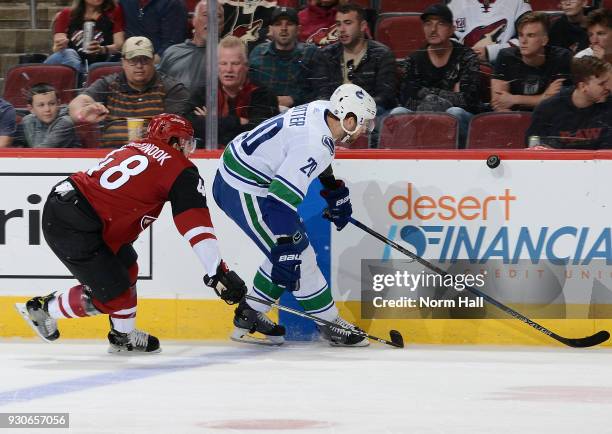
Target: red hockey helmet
173, 130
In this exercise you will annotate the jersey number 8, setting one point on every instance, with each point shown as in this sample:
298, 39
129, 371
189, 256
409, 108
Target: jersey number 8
123, 169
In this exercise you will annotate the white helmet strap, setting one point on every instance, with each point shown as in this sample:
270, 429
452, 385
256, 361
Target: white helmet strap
348, 133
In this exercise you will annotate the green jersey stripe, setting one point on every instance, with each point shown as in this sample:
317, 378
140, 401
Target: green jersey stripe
232, 164
256, 222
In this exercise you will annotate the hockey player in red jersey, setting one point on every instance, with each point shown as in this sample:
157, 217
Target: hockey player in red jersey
91, 219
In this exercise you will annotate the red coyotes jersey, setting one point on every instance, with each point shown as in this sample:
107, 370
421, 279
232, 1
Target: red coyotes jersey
129, 188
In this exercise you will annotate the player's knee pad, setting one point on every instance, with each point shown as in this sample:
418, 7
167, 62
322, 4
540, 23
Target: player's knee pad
124, 302
76, 302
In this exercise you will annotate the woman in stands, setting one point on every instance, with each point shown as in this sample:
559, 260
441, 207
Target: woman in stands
107, 35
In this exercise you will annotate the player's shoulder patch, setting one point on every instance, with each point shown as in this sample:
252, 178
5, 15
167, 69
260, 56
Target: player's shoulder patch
328, 142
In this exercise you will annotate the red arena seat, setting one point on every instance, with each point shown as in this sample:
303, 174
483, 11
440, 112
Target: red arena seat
498, 130
545, 5
100, 69
289, 3
385, 6
20, 78
401, 32
419, 130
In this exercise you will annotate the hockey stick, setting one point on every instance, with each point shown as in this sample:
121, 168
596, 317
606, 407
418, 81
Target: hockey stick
396, 338
588, 341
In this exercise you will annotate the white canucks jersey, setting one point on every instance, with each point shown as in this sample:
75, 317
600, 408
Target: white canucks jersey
489, 22
281, 156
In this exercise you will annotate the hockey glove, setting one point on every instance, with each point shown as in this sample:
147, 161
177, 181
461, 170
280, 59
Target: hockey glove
339, 209
285, 258
227, 284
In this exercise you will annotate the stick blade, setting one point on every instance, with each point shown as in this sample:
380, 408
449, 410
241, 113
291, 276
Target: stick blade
396, 339
589, 341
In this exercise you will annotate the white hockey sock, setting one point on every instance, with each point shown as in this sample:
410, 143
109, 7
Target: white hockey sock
124, 325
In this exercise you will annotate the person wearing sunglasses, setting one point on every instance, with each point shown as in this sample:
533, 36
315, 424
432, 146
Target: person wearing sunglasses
138, 91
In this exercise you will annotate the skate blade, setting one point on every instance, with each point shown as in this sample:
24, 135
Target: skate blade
21, 308
363, 343
122, 352
243, 336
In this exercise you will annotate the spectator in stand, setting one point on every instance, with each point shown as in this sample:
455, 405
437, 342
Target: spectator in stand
355, 59
186, 62
444, 76
526, 75
47, 126
599, 29
163, 22
487, 26
138, 91
579, 116
569, 31
242, 104
248, 20
284, 65
108, 35
7, 123
318, 22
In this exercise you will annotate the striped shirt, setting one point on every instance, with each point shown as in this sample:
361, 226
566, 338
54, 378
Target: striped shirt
162, 95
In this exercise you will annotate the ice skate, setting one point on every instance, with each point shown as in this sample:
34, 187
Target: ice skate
248, 321
341, 335
35, 313
135, 341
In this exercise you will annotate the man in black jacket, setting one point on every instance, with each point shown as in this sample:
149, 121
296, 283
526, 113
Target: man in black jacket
578, 117
354, 59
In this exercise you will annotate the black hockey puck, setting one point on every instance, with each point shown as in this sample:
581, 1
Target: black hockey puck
493, 161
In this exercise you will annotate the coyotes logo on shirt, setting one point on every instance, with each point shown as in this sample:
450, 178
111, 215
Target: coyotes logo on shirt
246, 19
486, 19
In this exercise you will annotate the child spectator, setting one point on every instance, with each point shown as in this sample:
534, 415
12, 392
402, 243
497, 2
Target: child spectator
47, 126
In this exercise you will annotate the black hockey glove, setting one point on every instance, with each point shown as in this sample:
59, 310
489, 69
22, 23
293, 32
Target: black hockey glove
227, 284
286, 261
339, 208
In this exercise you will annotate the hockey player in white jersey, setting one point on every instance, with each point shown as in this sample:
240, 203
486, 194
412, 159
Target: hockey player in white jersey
263, 176
487, 25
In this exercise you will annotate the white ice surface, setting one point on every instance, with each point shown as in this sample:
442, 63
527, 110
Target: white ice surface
309, 388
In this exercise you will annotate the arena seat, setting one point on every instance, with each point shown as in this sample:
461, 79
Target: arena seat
498, 130
545, 5
385, 6
20, 78
100, 69
419, 130
360, 143
401, 32
289, 3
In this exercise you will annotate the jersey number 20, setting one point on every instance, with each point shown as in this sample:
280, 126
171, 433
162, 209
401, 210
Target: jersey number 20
262, 134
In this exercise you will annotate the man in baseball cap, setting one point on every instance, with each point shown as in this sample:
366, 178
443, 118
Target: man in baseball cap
137, 46
439, 10
444, 76
289, 14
